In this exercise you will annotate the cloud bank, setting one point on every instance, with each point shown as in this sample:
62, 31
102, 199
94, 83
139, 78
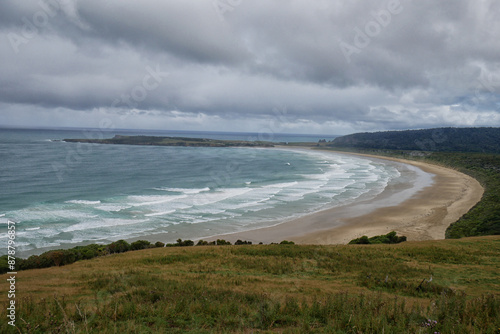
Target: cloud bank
331, 67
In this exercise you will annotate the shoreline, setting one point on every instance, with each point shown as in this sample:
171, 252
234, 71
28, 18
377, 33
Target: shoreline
424, 216
417, 209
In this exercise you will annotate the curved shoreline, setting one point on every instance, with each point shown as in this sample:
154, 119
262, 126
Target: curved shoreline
424, 216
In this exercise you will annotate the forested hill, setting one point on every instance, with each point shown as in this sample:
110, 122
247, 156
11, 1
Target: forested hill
486, 140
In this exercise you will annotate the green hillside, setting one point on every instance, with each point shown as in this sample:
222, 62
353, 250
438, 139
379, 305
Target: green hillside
485, 140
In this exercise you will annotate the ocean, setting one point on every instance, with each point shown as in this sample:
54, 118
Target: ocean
65, 194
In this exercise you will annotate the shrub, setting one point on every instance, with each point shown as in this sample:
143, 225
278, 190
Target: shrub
205, 243
89, 251
159, 244
119, 246
239, 242
56, 257
389, 238
140, 244
184, 243
202, 243
29, 263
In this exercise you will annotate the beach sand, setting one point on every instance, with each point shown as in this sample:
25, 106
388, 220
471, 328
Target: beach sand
424, 216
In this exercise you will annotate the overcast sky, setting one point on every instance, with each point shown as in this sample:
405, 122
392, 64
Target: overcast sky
294, 66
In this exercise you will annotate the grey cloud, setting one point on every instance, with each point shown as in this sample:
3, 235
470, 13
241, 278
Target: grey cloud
188, 29
429, 60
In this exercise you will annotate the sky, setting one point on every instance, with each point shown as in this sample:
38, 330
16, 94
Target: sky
294, 66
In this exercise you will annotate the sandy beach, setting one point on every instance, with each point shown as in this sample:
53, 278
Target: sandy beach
424, 216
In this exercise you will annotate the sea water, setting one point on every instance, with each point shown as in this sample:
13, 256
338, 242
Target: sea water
66, 194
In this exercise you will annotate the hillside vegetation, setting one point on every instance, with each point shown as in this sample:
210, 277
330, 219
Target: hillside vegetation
485, 140
484, 218
448, 286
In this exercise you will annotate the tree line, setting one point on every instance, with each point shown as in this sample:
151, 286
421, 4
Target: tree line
484, 140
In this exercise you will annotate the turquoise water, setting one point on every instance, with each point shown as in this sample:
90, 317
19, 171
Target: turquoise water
64, 194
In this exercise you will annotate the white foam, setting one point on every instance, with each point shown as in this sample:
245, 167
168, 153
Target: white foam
209, 211
22, 244
97, 224
50, 213
204, 220
111, 207
149, 200
302, 189
43, 244
217, 196
188, 191
281, 185
160, 213
249, 204
84, 202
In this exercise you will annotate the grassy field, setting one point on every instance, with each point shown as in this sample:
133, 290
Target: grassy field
268, 288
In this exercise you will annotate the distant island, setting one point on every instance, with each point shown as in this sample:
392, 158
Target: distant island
172, 141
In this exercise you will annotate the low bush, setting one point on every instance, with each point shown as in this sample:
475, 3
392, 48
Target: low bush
140, 244
240, 242
389, 238
119, 246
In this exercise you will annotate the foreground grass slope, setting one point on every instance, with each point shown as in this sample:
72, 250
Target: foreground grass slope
269, 288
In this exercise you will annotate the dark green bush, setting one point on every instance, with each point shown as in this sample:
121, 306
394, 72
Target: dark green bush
119, 246
184, 243
140, 244
389, 238
240, 242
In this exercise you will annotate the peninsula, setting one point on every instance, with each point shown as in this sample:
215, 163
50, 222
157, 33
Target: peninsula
172, 141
